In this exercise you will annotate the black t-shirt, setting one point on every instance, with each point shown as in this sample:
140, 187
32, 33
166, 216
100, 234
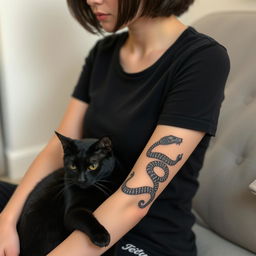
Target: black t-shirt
184, 88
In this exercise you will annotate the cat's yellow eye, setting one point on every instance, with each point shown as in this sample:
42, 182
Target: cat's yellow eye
72, 167
93, 167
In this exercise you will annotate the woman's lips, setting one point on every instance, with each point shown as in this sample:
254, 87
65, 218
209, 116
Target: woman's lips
101, 16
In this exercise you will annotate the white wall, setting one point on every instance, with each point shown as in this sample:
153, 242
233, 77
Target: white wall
43, 49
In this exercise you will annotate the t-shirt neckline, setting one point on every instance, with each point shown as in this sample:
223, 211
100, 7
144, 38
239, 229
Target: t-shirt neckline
144, 72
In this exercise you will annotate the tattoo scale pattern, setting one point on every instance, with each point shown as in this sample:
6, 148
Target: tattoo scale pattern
162, 161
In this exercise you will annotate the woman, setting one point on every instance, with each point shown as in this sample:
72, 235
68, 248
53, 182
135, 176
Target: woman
160, 81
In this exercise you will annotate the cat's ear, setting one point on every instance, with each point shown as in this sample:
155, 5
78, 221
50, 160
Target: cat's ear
67, 143
105, 143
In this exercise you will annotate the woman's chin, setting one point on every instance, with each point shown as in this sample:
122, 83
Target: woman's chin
108, 30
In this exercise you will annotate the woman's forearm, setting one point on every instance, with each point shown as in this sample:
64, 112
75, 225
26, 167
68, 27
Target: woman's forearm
119, 214
46, 162
122, 217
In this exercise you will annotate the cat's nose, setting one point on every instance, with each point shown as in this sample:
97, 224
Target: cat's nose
82, 178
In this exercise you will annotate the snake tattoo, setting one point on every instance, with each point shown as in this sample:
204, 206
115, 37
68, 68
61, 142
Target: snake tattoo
162, 161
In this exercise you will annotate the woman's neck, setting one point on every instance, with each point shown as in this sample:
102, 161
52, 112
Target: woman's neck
147, 34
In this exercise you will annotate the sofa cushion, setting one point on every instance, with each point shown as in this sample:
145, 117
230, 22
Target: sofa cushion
224, 200
210, 244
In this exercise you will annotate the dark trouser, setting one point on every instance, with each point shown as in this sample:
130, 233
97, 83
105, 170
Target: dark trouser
125, 248
6, 191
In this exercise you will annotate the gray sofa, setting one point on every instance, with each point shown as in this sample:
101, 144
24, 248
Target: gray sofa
225, 204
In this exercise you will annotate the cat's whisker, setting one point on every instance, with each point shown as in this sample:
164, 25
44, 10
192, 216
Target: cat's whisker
65, 186
106, 189
57, 187
68, 185
59, 193
103, 186
97, 186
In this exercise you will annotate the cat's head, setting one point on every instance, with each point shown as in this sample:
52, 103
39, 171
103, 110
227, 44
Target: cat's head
87, 161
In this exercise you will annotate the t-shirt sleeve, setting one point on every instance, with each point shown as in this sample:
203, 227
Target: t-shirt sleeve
81, 90
194, 99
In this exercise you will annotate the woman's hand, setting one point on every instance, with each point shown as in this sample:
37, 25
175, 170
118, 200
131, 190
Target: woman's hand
9, 239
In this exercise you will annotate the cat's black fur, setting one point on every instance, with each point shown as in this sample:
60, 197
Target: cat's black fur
64, 201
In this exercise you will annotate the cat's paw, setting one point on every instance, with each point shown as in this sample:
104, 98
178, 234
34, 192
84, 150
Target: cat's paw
101, 239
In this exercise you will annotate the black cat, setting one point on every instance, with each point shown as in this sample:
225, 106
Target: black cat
64, 200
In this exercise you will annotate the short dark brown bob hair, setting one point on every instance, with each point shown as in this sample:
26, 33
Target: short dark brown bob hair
127, 9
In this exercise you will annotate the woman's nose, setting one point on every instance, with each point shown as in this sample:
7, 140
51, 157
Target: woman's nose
94, 2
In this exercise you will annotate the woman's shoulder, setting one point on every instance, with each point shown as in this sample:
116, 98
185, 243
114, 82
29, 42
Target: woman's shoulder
195, 40
196, 46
